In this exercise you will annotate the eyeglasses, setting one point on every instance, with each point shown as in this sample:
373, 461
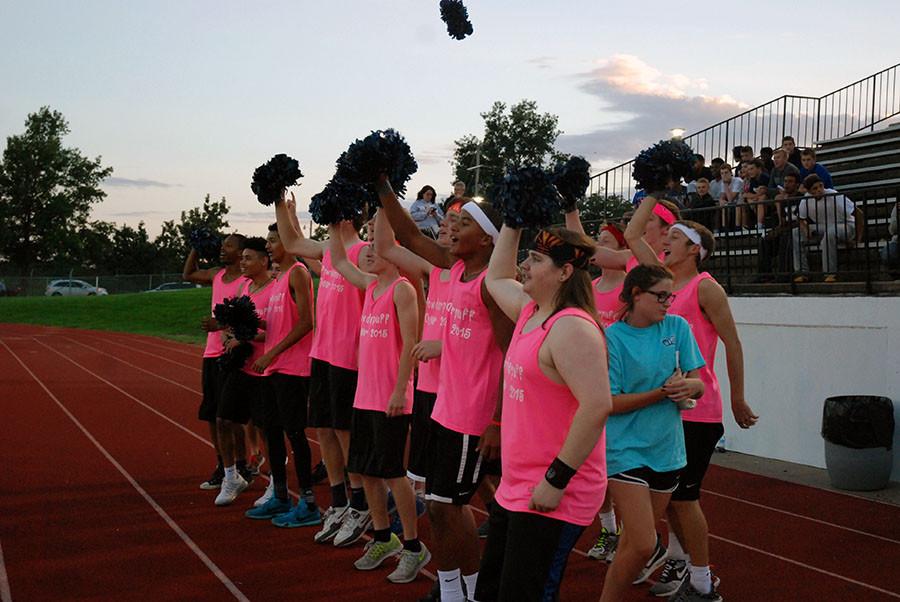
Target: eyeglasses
662, 297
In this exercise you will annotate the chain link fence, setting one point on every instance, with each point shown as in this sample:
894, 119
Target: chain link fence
114, 284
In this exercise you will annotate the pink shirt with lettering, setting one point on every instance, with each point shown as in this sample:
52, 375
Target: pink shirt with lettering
220, 291
380, 345
687, 305
607, 303
433, 327
280, 320
336, 338
537, 416
260, 300
470, 359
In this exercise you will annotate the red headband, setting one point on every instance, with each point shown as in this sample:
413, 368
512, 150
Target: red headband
664, 214
617, 234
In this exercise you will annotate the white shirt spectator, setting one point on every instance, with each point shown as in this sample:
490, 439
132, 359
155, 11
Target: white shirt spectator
832, 208
736, 186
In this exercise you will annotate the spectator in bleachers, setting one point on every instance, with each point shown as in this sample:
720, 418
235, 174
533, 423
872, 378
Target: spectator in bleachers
701, 199
790, 147
780, 168
676, 193
736, 158
426, 212
746, 155
774, 250
700, 171
828, 217
755, 191
889, 253
732, 186
765, 155
808, 159
459, 198
715, 183
638, 197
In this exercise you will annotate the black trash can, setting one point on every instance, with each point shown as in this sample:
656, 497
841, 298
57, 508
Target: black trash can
859, 432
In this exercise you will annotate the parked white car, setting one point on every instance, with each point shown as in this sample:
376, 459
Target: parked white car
73, 288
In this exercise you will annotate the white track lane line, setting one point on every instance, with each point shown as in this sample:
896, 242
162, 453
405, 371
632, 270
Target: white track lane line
172, 347
5, 593
427, 573
136, 350
229, 585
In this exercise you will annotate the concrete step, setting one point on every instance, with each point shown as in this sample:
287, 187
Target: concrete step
851, 148
866, 174
851, 161
891, 131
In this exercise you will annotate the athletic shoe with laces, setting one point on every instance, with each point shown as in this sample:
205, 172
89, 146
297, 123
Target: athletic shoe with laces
231, 488
267, 495
256, 461
674, 574
246, 474
352, 528
410, 564
605, 548
332, 521
215, 479
301, 515
656, 560
377, 552
272, 508
688, 593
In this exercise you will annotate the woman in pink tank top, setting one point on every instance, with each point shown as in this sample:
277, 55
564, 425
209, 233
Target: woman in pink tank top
556, 398
608, 286
383, 404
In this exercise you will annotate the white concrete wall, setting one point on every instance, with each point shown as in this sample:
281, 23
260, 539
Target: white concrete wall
800, 350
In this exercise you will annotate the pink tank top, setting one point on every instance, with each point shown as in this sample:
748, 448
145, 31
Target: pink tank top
607, 303
687, 305
433, 326
280, 320
260, 299
336, 337
537, 416
380, 345
470, 359
220, 291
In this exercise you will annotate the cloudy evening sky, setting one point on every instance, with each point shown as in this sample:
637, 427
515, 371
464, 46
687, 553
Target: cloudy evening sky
186, 98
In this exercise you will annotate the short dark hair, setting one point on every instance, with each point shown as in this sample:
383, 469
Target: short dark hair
256, 243
242, 240
747, 149
699, 157
786, 138
808, 152
273, 227
793, 175
811, 180
717, 160
766, 150
758, 163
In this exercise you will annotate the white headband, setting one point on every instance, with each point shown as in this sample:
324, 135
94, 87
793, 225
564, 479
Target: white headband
692, 235
479, 216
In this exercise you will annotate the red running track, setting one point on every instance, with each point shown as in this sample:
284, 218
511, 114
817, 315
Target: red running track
100, 501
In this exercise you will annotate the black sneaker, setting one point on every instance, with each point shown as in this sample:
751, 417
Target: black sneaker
656, 561
687, 593
215, 479
319, 473
246, 472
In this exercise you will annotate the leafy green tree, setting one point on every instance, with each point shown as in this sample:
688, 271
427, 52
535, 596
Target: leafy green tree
46, 191
597, 209
514, 136
173, 241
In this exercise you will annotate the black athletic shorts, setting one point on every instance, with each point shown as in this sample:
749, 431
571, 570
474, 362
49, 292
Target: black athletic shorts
700, 439
457, 468
243, 398
423, 404
287, 402
660, 482
211, 378
525, 556
377, 444
331, 393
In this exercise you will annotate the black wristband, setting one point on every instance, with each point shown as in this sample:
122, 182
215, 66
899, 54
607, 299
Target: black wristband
559, 474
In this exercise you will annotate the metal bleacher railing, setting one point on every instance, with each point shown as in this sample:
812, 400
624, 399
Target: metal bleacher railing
854, 108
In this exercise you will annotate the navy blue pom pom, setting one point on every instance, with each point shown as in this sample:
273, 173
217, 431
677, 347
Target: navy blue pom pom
235, 359
273, 176
455, 15
527, 198
340, 200
664, 161
238, 314
206, 242
381, 152
572, 178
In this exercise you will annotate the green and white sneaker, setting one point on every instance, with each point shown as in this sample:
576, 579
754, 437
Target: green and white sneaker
605, 548
674, 574
410, 565
377, 552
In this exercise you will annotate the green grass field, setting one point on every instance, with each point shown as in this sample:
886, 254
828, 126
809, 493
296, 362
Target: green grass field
172, 315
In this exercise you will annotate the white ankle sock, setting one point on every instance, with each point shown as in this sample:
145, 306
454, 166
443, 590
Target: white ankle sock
608, 521
470, 581
701, 579
230, 472
451, 586
676, 552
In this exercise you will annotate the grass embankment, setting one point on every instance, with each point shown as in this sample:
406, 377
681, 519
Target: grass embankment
173, 315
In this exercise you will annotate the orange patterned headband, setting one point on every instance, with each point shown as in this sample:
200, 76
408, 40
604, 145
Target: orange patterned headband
560, 251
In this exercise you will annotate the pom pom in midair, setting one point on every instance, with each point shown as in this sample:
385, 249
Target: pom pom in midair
527, 198
664, 161
273, 176
206, 242
381, 152
572, 178
455, 15
340, 200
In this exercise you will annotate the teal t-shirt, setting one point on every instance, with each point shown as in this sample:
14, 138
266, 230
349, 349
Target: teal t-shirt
642, 359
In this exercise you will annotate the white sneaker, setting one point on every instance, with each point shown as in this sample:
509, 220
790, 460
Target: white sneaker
331, 523
267, 495
231, 488
352, 528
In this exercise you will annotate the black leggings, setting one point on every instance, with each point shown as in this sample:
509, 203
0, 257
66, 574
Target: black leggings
525, 557
278, 453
